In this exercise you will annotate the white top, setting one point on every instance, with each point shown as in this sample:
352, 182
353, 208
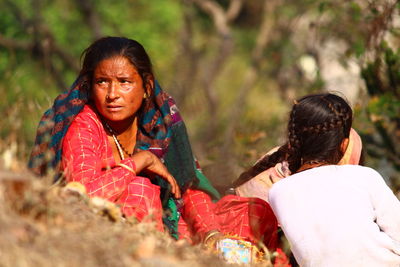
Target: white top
339, 216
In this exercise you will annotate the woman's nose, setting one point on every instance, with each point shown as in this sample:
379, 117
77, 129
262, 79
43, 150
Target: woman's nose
113, 91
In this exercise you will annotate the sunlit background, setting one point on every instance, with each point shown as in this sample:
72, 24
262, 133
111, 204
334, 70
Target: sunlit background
234, 68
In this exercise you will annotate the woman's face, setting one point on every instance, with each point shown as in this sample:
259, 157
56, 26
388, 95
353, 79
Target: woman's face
117, 89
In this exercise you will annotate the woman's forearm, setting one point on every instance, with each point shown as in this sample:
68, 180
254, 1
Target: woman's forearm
142, 159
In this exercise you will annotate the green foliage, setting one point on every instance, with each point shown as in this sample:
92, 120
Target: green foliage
383, 84
364, 27
386, 105
28, 85
31, 78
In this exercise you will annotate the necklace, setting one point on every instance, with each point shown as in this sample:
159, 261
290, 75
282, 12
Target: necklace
311, 164
120, 147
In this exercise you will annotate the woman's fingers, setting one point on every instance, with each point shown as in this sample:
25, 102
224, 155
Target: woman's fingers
275, 179
171, 180
157, 167
265, 176
147, 161
174, 186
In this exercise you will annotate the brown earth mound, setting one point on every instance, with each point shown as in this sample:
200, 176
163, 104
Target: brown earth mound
43, 225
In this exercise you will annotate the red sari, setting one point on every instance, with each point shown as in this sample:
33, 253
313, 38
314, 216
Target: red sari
87, 158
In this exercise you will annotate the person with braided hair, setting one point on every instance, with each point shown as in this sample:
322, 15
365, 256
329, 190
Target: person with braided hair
272, 167
331, 214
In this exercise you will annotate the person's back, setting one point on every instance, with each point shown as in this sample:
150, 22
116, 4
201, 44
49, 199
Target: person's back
339, 216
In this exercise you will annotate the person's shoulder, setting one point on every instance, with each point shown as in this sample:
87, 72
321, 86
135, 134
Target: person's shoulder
359, 169
85, 126
283, 186
86, 113
363, 174
87, 118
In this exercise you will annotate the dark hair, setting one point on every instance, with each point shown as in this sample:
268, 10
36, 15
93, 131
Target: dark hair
317, 126
108, 47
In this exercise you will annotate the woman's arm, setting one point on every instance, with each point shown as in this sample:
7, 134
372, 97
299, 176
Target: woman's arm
84, 152
83, 157
198, 212
386, 207
145, 160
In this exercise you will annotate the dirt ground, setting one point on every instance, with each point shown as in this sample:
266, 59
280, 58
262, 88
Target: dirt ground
45, 225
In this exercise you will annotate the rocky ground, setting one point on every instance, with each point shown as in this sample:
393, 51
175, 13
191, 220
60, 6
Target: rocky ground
46, 225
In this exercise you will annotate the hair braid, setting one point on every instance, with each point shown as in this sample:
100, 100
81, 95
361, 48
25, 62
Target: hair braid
339, 119
294, 147
342, 115
317, 126
316, 129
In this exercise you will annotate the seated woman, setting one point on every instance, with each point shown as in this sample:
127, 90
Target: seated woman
120, 135
269, 169
333, 215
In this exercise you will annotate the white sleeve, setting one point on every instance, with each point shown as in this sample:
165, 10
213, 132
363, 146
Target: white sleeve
386, 206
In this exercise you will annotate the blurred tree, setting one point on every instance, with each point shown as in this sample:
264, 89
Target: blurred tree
232, 65
370, 30
40, 45
382, 77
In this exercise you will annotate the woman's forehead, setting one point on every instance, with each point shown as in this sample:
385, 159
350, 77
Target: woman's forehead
117, 65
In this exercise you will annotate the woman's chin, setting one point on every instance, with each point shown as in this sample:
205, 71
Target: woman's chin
114, 118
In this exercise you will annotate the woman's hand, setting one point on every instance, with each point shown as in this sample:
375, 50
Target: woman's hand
211, 238
147, 161
267, 178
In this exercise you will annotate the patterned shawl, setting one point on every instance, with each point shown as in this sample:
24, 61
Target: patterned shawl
161, 130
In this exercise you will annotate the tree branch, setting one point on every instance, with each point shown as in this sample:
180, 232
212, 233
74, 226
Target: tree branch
234, 10
224, 47
90, 16
251, 75
217, 13
68, 59
16, 11
15, 44
42, 44
187, 62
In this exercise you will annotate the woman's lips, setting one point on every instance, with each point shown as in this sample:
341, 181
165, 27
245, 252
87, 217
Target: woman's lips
114, 108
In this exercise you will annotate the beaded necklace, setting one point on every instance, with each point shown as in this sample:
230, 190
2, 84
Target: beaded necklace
121, 148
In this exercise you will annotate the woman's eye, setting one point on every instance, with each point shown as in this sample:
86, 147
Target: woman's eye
100, 82
125, 81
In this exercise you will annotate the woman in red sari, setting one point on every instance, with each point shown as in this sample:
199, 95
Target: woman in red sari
120, 135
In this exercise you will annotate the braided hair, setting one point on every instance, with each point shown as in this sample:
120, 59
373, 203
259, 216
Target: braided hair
317, 126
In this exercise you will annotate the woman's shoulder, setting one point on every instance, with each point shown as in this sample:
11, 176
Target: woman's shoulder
358, 171
87, 113
86, 119
354, 175
348, 172
284, 186
363, 174
313, 176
